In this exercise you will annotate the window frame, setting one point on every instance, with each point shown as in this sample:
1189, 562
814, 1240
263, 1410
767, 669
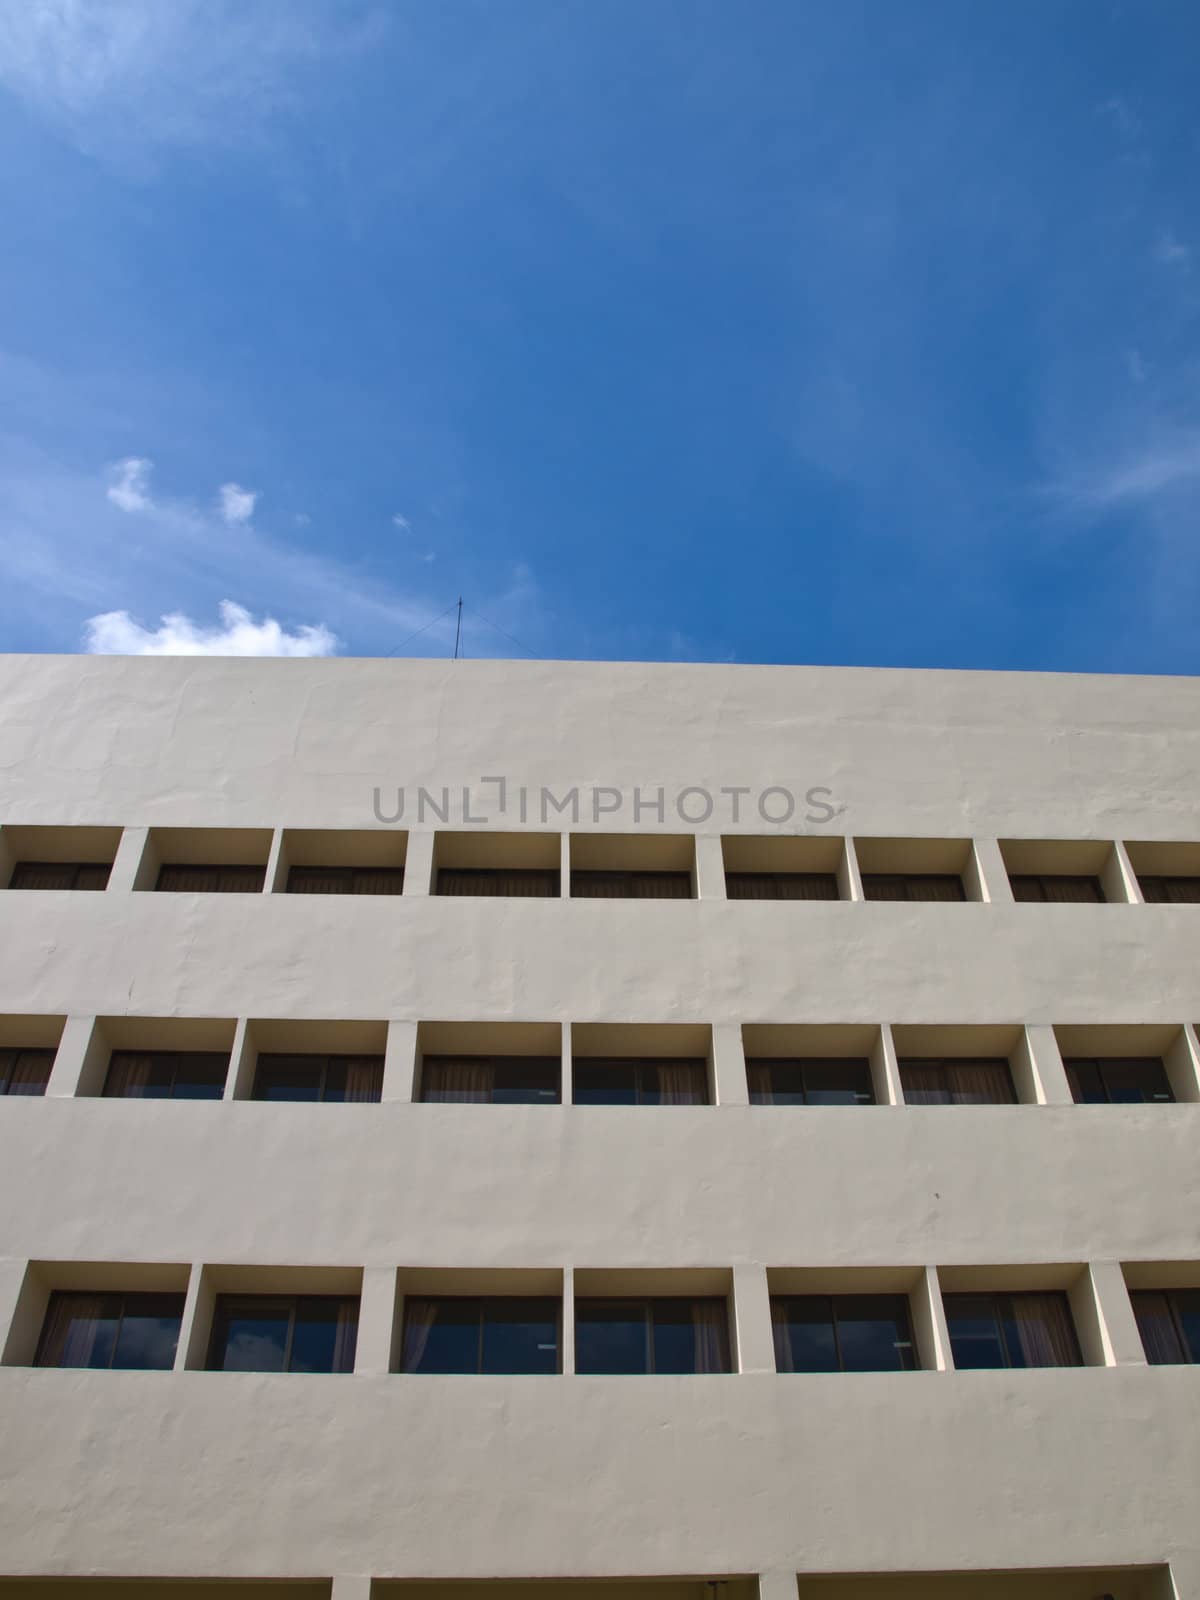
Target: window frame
482, 1303
1072, 1065
16, 1052
1191, 1356
860, 1064
75, 868
909, 880
639, 1065
57, 1296
1001, 1301
225, 1301
648, 1304
832, 1300
173, 1058
350, 876
550, 876
1163, 882
326, 1058
777, 880
943, 1065
498, 1063
246, 869
632, 876
1041, 879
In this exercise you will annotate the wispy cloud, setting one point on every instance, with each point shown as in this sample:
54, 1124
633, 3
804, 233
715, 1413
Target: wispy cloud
129, 483
124, 76
1163, 464
1169, 251
401, 522
116, 633
235, 504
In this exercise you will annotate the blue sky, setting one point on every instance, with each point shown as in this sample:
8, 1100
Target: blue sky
855, 333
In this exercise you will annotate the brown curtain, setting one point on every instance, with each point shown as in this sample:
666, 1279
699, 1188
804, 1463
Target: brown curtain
599, 886
681, 1083
660, 886
1160, 1338
762, 1091
1072, 890
364, 1079
345, 1339
93, 875
923, 1083
318, 880
71, 1330
710, 1331
1183, 891
878, 886
1045, 1330
43, 875
980, 1083
188, 880
420, 1315
381, 880
750, 886
458, 1080
27, 1071
128, 1075
940, 888
782, 1334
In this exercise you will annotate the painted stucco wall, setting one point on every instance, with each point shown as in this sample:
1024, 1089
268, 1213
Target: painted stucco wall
198, 1474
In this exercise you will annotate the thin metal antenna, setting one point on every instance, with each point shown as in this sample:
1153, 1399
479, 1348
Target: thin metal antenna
458, 629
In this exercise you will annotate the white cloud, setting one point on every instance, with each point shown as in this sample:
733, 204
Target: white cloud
129, 483
1169, 251
235, 503
1162, 464
402, 522
116, 633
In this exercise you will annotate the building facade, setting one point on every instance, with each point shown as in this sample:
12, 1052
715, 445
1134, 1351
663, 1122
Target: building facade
719, 1131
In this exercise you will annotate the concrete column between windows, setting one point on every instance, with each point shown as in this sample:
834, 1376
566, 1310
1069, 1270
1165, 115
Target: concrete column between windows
1039, 1060
14, 1316
239, 1084
849, 877
564, 866
400, 1061
1103, 1312
566, 1091
418, 864
352, 1587
1119, 879
375, 1351
930, 1330
128, 859
79, 1060
777, 1586
710, 867
1183, 1065
729, 1065
987, 867
195, 1329
275, 877
755, 1342
885, 1069
568, 1321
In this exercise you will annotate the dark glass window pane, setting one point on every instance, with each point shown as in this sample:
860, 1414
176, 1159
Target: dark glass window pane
323, 1337
781, 886
442, 1335
59, 875
873, 1333
289, 1077
604, 1083
251, 1335
1187, 1311
884, 886
611, 1336
25, 1072
520, 1335
203, 878
674, 1336
672, 1083
503, 882
80, 1330
1026, 887
1161, 1338
784, 1083
1066, 889
525, 1080
810, 1331
149, 1332
200, 1075
1087, 1086
593, 885
975, 1337
1132, 1081
838, 1083
92, 875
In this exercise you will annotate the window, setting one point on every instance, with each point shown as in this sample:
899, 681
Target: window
111, 1330
596, 885
319, 1077
60, 875
781, 885
1011, 1330
166, 1075
1169, 1323
956, 1081
842, 1333
912, 886
1158, 890
529, 883
625, 1081
25, 1071
1117, 1080
833, 1081
284, 1333
1060, 888
206, 878
345, 880
661, 1335
491, 1080
471, 1333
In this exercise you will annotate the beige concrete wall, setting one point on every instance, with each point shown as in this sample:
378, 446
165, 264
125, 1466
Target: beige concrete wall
222, 1475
